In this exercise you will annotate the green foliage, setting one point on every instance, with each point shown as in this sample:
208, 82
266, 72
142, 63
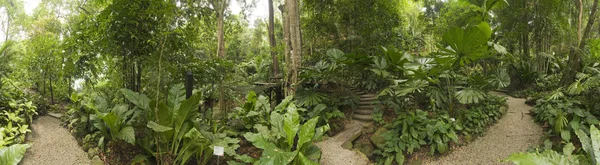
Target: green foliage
256, 110
479, 116
284, 140
546, 157
13, 154
590, 144
440, 133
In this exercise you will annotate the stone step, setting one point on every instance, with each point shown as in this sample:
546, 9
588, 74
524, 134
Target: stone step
371, 107
359, 92
368, 99
363, 117
367, 103
368, 96
363, 112
55, 115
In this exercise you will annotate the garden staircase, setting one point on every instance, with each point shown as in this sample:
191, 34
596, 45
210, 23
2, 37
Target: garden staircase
365, 107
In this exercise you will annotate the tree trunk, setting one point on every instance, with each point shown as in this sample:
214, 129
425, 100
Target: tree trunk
272, 43
220, 6
575, 55
296, 45
286, 45
525, 35
51, 91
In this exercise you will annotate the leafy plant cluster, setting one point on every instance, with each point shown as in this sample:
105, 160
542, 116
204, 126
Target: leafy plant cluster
164, 131
589, 152
413, 129
286, 139
478, 117
16, 114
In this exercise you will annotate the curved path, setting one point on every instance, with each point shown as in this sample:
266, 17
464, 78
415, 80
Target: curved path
52, 144
334, 154
514, 132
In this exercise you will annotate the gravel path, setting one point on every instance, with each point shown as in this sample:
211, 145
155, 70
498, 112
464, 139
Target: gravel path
334, 154
514, 132
52, 144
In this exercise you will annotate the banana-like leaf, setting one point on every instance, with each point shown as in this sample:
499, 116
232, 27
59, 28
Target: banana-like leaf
13, 154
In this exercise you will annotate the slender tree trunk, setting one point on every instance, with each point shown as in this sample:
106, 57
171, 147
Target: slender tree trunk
220, 35
51, 91
272, 43
286, 45
575, 55
295, 39
525, 35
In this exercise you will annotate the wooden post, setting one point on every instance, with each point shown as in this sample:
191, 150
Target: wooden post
189, 84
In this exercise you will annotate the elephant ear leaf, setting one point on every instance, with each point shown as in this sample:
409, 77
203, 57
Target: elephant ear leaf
13, 154
305, 161
307, 131
291, 124
272, 155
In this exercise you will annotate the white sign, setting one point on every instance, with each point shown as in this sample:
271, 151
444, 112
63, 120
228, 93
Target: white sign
218, 150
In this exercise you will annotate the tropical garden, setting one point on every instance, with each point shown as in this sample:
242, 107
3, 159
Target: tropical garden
298, 81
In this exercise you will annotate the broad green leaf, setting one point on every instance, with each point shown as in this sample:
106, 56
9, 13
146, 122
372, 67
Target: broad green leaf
257, 140
139, 100
13, 154
157, 127
274, 156
335, 55
176, 95
187, 109
568, 148
595, 138
549, 157
304, 160
469, 96
307, 131
485, 28
127, 134
400, 158
291, 124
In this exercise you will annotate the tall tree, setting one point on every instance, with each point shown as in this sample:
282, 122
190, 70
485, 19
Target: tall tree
294, 44
220, 6
575, 55
272, 42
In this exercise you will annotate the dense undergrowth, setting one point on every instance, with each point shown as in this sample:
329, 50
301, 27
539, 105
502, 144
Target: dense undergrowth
117, 67
570, 114
17, 111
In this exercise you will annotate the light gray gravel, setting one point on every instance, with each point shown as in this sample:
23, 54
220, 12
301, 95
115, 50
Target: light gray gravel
52, 145
514, 132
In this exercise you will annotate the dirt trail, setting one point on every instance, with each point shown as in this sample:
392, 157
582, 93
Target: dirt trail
514, 132
52, 144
